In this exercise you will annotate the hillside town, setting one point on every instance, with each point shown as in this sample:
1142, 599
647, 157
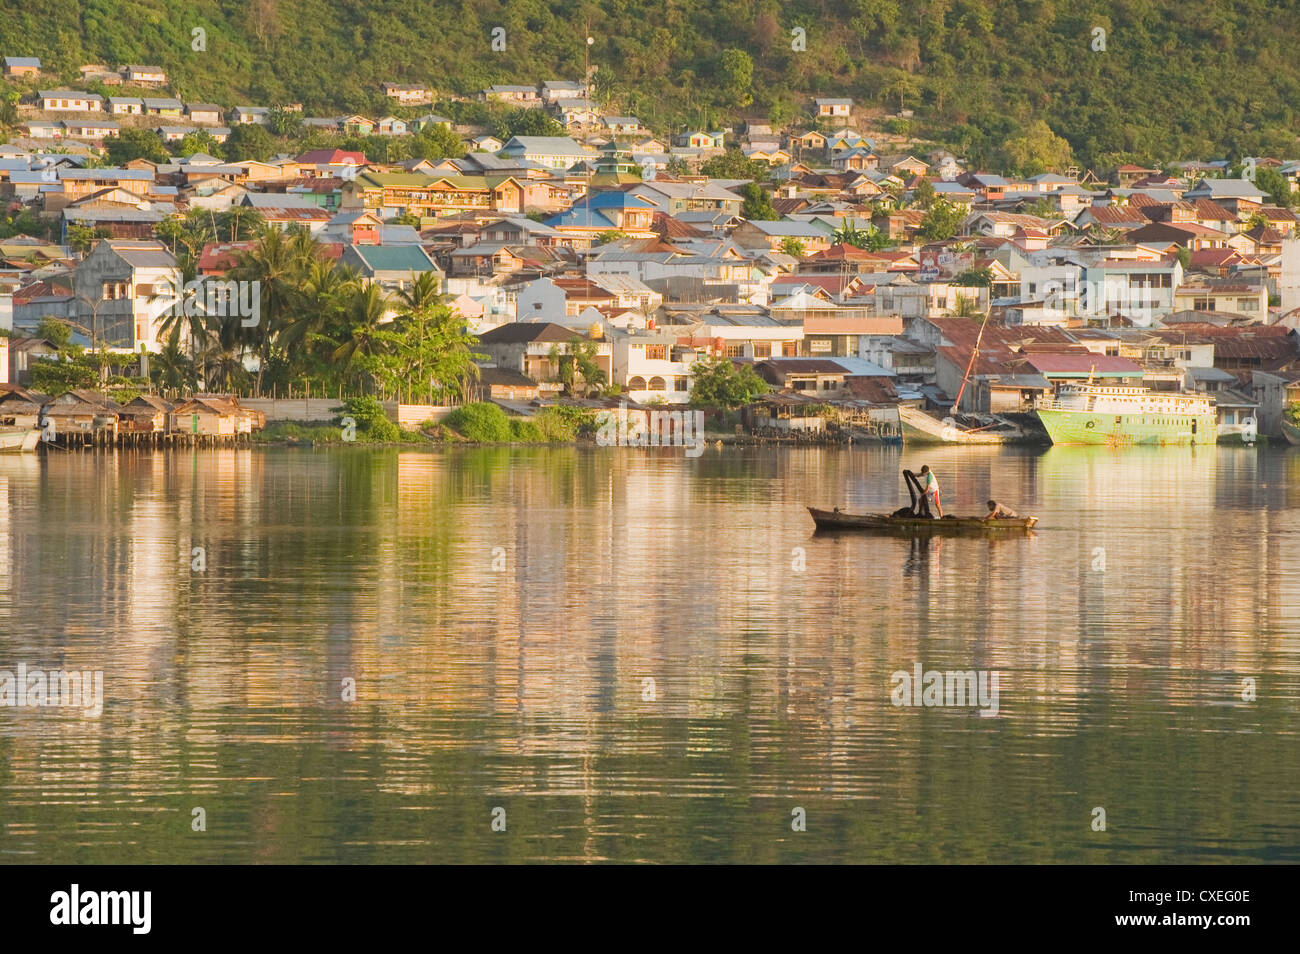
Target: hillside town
846, 270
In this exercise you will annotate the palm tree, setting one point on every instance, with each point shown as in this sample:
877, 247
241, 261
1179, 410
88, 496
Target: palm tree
277, 265
222, 360
318, 319
1101, 235
195, 326
966, 308
361, 346
172, 368
239, 220
420, 302
870, 238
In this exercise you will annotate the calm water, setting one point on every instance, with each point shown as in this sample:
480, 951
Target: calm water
524, 686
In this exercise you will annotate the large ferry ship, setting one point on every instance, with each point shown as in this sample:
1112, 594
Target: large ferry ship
1120, 415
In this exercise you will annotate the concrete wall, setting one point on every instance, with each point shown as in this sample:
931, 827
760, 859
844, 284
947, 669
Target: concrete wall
298, 409
322, 410
411, 416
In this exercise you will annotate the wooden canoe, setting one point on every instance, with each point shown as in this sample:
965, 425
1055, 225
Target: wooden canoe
839, 520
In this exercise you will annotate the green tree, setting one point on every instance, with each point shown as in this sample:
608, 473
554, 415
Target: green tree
172, 368
717, 382
239, 223
733, 164
198, 141
736, 76
758, 203
284, 122
250, 141
975, 278
373, 423
436, 350
82, 238
923, 195
277, 264
576, 361
869, 238
527, 122
1268, 180
1038, 150
793, 247
942, 222
364, 341
136, 143
436, 141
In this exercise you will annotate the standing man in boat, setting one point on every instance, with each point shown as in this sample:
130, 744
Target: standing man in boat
930, 489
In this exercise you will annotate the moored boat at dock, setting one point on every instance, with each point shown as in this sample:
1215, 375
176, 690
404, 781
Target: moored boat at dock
920, 428
16, 440
1120, 415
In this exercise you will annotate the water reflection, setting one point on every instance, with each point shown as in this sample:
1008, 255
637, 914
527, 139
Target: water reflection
619, 648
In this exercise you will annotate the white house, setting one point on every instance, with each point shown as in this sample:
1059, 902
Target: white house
69, 101
833, 107
555, 152
650, 365
122, 290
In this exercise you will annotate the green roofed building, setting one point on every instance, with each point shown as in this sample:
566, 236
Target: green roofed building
391, 194
392, 266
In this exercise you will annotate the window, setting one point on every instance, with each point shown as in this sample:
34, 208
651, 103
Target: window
789, 349
658, 384
656, 352
681, 384
762, 349
819, 345
735, 351
636, 383
114, 291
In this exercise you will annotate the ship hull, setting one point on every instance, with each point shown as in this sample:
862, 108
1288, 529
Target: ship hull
16, 440
1091, 427
920, 428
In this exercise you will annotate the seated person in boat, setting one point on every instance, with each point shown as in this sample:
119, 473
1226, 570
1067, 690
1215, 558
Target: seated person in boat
999, 511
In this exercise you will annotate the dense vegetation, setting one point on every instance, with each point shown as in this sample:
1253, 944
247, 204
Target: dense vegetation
320, 328
1198, 78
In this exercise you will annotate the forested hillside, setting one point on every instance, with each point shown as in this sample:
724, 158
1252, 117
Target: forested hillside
1197, 78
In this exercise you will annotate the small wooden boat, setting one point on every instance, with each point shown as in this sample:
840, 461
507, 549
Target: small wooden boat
839, 520
1290, 430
